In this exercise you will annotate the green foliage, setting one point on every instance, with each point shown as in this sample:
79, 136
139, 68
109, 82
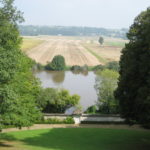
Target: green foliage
79, 68
57, 64
68, 120
101, 40
113, 65
91, 110
39, 66
98, 68
18, 87
54, 101
106, 83
133, 90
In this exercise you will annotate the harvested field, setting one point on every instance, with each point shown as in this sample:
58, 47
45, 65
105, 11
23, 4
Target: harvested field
108, 53
76, 50
30, 42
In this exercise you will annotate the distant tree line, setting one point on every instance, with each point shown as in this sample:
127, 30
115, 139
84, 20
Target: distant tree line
29, 30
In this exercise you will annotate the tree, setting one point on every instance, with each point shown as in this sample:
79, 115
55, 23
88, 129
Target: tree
58, 63
101, 40
106, 83
113, 65
18, 87
54, 101
133, 90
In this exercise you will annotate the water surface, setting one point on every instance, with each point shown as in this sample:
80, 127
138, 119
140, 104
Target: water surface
81, 84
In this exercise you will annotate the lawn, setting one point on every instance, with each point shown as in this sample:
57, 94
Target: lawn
76, 139
29, 43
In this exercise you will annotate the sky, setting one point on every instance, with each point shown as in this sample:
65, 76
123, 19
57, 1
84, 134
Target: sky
93, 13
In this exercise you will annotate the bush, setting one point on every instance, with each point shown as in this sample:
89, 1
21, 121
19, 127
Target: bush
56, 101
113, 65
57, 64
98, 67
39, 66
91, 110
75, 68
68, 120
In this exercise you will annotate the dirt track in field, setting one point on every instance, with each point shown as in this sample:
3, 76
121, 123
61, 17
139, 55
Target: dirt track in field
72, 50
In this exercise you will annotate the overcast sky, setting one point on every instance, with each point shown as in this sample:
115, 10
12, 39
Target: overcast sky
93, 13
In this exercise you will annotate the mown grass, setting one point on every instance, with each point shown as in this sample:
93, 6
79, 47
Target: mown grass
78, 139
29, 43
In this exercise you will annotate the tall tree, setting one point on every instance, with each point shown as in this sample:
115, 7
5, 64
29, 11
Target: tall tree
101, 40
18, 87
133, 90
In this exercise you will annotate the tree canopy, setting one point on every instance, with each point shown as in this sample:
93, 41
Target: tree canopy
58, 63
18, 87
56, 101
133, 90
101, 40
30, 30
106, 84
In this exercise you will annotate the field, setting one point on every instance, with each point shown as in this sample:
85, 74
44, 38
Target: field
29, 43
76, 50
76, 139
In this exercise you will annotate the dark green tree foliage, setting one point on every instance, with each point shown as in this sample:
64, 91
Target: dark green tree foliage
91, 110
18, 87
101, 40
58, 63
53, 101
133, 90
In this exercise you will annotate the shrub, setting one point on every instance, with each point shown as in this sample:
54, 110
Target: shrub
75, 68
68, 120
113, 65
91, 110
57, 64
56, 101
39, 66
98, 67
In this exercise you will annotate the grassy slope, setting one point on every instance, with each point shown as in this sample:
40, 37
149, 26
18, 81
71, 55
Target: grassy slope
79, 139
29, 43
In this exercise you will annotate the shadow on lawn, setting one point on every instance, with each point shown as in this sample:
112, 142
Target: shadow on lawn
3, 138
86, 139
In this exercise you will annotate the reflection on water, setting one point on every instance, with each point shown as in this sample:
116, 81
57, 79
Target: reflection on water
77, 83
85, 73
58, 76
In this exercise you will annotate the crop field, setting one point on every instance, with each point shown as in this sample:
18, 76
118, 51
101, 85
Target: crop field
76, 50
76, 139
29, 43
